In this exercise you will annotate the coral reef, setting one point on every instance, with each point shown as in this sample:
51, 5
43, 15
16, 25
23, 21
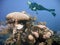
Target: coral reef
24, 31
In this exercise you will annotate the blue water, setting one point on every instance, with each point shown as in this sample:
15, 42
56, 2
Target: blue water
8, 6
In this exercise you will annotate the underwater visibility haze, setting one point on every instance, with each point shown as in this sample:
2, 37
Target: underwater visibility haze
44, 10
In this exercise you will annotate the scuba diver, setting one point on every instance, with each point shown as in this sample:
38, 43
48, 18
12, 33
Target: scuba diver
35, 7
